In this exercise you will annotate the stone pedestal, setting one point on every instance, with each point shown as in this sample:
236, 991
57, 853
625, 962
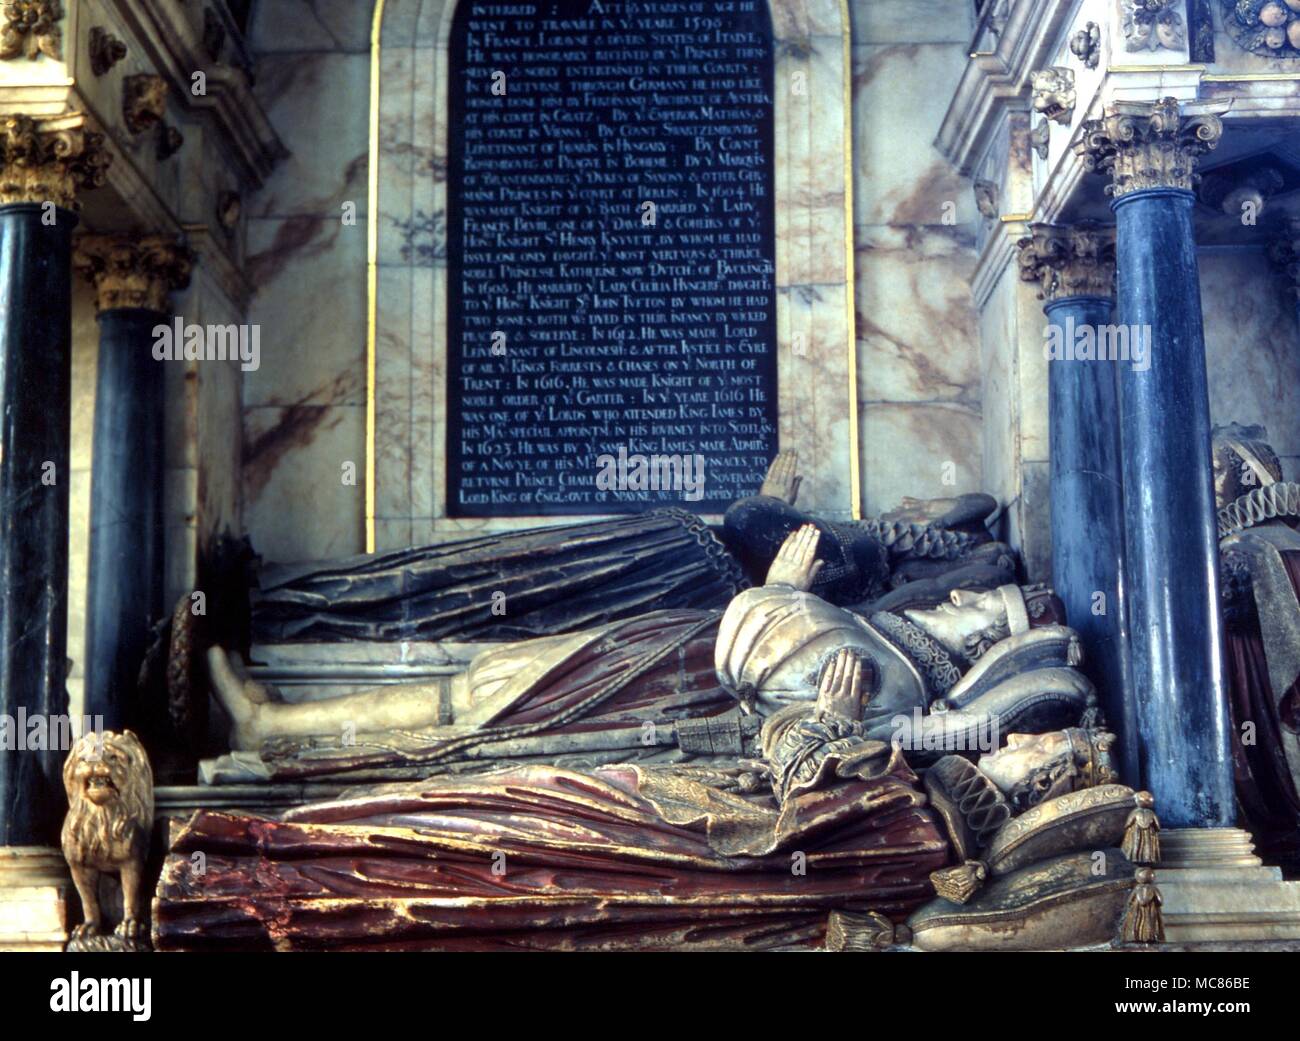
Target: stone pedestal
35, 899
1215, 888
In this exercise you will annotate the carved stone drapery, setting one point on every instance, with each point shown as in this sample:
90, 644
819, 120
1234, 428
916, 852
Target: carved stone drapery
144, 101
31, 28
1148, 145
132, 271
1066, 261
49, 160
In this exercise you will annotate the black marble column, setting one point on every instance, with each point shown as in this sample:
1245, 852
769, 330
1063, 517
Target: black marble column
35, 420
125, 588
1075, 267
1171, 550
43, 163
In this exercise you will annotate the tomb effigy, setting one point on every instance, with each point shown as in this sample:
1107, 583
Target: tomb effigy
713, 475
834, 697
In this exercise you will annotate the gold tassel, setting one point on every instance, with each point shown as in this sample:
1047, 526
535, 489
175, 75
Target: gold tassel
959, 883
1142, 832
1142, 921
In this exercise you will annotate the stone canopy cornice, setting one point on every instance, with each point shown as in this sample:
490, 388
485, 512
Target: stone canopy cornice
998, 78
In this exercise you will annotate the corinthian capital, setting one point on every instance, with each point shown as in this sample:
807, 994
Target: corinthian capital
49, 160
132, 271
1074, 260
1148, 145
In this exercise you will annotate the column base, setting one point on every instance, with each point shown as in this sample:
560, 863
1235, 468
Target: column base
1215, 888
35, 898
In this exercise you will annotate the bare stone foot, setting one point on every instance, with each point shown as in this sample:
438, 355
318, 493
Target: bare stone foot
242, 698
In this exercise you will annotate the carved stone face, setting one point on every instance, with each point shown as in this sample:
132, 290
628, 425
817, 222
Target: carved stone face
967, 617
1023, 755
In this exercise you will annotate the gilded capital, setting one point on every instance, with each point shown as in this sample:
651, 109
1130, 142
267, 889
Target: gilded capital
1145, 145
132, 270
1070, 260
49, 160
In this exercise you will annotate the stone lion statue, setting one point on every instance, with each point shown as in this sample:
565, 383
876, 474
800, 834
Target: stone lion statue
110, 816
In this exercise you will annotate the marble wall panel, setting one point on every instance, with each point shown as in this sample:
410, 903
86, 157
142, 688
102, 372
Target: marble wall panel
318, 104
919, 378
310, 302
296, 505
1000, 446
917, 327
923, 450
905, 21
1252, 345
900, 96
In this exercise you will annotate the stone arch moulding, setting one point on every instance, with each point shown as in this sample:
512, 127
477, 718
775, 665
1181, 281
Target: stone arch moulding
407, 390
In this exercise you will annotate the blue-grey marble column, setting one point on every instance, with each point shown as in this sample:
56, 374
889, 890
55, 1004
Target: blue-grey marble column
132, 276
1171, 584
42, 164
1075, 268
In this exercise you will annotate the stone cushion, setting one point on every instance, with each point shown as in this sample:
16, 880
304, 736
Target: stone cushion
1084, 820
1057, 903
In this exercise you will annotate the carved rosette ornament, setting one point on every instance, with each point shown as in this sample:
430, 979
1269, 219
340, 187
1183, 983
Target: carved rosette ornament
144, 101
1073, 260
132, 270
31, 28
1146, 146
49, 160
